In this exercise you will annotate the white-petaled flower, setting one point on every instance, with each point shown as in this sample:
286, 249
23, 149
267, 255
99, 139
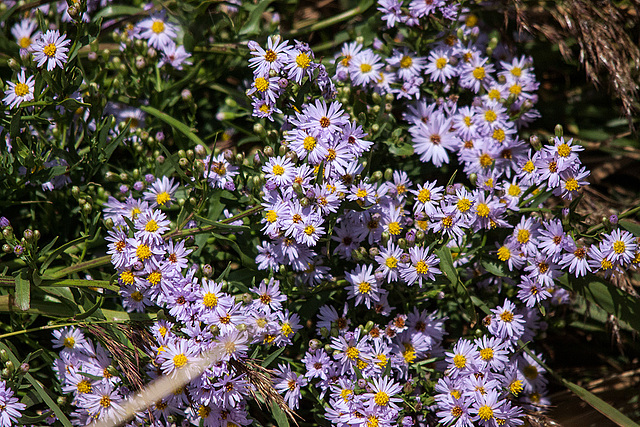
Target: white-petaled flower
52, 49
157, 31
20, 92
25, 36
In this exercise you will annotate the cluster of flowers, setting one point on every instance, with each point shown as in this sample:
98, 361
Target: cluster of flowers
161, 36
362, 371
85, 369
276, 67
309, 183
153, 270
411, 12
484, 377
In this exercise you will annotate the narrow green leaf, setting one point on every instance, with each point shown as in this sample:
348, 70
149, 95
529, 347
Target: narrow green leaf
184, 129
630, 226
610, 298
23, 290
460, 290
493, 268
39, 389
252, 25
279, 415
53, 255
173, 162
247, 261
119, 10
221, 224
594, 401
273, 356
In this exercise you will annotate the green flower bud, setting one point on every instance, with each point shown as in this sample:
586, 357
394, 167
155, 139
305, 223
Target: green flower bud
558, 131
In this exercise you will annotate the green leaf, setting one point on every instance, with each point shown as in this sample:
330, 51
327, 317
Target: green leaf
119, 10
53, 255
252, 26
279, 415
173, 162
607, 296
493, 268
630, 226
72, 104
460, 290
247, 261
221, 224
184, 129
594, 401
273, 356
23, 290
39, 389
402, 149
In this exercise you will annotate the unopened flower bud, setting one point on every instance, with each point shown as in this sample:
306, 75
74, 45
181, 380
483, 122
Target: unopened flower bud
140, 62
6, 248
314, 344
24, 368
558, 131
207, 270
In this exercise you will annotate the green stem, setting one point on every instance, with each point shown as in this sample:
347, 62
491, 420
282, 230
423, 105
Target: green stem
621, 216
97, 262
45, 327
200, 230
344, 16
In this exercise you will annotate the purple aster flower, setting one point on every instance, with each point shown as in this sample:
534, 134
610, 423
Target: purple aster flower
52, 49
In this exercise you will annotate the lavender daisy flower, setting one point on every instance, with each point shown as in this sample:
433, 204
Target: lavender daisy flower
323, 121
9, 406
364, 286
24, 34
52, 49
289, 384
22, 91
271, 58
157, 31
421, 266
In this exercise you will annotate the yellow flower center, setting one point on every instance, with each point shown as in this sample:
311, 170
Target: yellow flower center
516, 71
471, 21
163, 198
528, 167
494, 94
365, 68
506, 316
352, 353
504, 254
69, 342
261, 84
424, 195
137, 296
302, 60
459, 361
325, 122
619, 246
499, 135
422, 267
157, 27
309, 230
515, 387
151, 226
523, 236
278, 170
270, 56
381, 398
105, 401
143, 252
564, 150
286, 329
163, 331
154, 278
490, 116
485, 160
264, 108
382, 360
479, 73
394, 228
21, 89
447, 222
361, 193
486, 353
463, 205
571, 184
309, 143
84, 386
25, 42
406, 61
483, 210
209, 300
50, 50
179, 360
440, 63
515, 89
127, 277
456, 411
204, 411
391, 262
364, 288
272, 216
485, 413
514, 190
